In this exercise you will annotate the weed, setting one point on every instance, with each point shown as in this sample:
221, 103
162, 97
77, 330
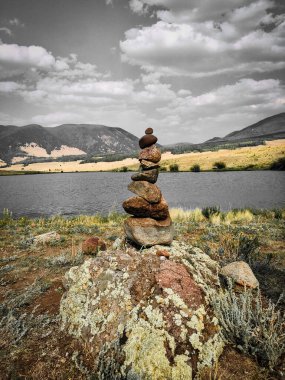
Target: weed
210, 211
254, 328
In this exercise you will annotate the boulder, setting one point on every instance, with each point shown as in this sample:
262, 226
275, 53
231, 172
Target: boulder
146, 175
148, 165
146, 190
138, 206
241, 273
151, 153
147, 140
93, 245
142, 318
148, 232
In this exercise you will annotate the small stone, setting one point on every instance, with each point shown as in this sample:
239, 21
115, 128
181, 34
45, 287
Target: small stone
93, 245
151, 153
139, 207
163, 253
147, 140
146, 175
146, 190
148, 232
241, 273
148, 131
148, 165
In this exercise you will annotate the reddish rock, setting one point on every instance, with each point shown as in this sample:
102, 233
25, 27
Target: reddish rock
147, 231
151, 153
163, 253
148, 165
241, 273
146, 175
176, 277
139, 207
147, 140
148, 131
146, 190
93, 245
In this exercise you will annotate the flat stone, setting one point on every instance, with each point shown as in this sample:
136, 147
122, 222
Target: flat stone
146, 175
147, 140
139, 207
148, 232
146, 190
148, 165
148, 131
151, 153
241, 273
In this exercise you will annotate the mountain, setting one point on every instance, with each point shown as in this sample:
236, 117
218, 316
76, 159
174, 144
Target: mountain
17, 143
272, 127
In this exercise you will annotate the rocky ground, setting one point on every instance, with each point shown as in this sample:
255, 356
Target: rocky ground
35, 275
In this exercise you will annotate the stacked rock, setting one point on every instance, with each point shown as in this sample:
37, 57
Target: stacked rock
151, 223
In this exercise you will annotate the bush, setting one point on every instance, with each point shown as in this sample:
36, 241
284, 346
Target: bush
163, 169
255, 329
219, 165
123, 169
174, 168
195, 168
247, 248
278, 164
210, 211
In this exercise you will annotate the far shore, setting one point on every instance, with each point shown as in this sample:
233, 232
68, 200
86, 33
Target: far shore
246, 158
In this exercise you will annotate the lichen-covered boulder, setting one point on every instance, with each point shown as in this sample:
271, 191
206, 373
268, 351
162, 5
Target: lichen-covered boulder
142, 316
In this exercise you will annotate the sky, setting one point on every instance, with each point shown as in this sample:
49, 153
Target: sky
190, 69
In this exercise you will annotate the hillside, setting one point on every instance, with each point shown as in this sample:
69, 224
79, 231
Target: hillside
17, 143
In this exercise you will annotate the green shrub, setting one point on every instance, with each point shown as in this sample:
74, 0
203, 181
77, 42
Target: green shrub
195, 168
277, 213
163, 169
219, 165
278, 164
210, 211
123, 169
247, 248
254, 328
174, 168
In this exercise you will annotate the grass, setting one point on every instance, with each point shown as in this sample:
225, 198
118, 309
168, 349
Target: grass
31, 287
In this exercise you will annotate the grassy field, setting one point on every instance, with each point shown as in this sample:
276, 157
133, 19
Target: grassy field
253, 158
32, 346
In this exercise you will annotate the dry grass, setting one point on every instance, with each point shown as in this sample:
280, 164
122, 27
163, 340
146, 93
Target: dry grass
259, 156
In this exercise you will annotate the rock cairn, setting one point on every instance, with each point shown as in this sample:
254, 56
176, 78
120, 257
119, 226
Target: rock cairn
151, 223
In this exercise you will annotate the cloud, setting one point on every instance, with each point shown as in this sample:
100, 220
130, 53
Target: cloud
6, 30
10, 87
55, 118
238, 43
16, 22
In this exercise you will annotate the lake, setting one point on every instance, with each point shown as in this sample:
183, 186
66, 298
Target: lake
89, 193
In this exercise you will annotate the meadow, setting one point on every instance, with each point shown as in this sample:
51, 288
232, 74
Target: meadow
32, 344
259, 157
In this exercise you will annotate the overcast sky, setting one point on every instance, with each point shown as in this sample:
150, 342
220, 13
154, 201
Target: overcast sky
191, 69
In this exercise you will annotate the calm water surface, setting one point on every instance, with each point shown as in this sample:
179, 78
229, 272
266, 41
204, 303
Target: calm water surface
89, 193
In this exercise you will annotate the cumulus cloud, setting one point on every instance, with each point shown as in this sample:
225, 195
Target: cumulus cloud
237, 43
16, 22
16, 59
10, 87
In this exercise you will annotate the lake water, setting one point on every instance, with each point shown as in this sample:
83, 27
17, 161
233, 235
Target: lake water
89, 193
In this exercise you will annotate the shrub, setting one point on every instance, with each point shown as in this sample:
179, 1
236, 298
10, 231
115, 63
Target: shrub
174, 168
278, 164
123, 169
277, 213
247, 248
219, 165
254, 328
163, 169
210, 211
195, 168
